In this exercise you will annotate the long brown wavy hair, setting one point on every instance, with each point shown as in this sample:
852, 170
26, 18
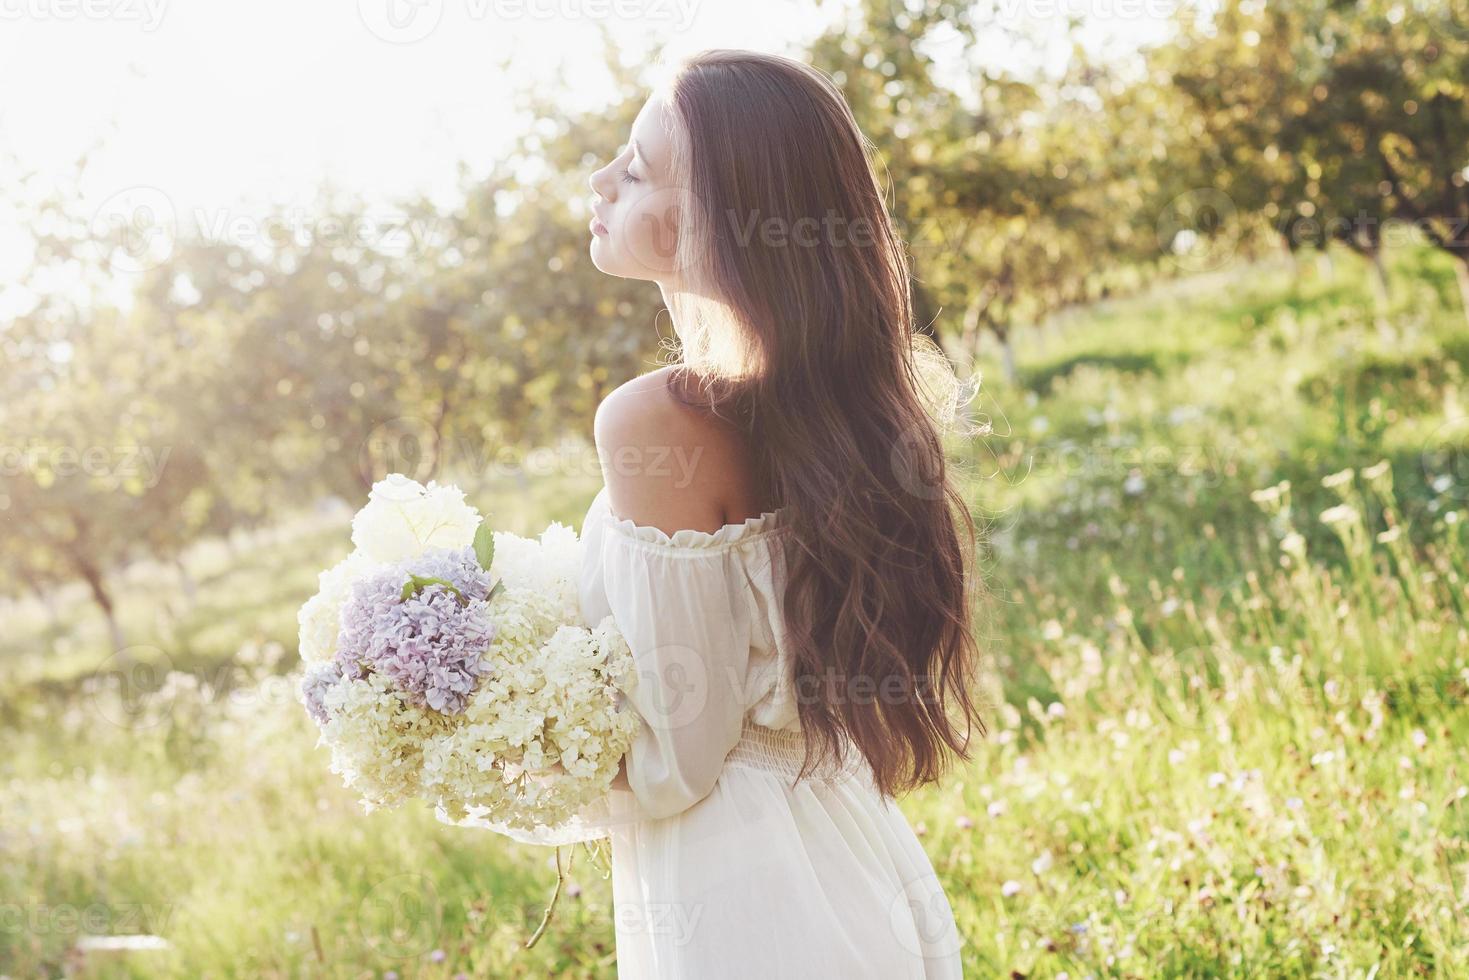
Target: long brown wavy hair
796, 323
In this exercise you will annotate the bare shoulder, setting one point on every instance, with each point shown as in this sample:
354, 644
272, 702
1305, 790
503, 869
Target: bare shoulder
667, 465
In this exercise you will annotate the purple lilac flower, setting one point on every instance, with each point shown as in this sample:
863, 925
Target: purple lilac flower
318, 680
428, 645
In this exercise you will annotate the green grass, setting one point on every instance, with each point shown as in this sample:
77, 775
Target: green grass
1224, 734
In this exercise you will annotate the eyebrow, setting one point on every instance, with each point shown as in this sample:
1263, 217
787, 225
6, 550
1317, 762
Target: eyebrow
638, 149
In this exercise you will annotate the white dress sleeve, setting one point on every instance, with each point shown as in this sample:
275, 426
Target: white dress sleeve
682, 602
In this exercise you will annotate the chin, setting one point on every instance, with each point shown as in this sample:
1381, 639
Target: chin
600, 256
610, 262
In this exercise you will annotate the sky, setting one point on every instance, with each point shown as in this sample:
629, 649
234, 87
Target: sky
213, 111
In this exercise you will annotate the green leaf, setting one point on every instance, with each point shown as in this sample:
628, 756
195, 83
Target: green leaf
417, 583
484, 546
494, 589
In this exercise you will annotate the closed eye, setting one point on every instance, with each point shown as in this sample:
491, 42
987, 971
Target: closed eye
627, 177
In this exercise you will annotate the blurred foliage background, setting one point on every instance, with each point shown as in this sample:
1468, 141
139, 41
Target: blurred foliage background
1217, 293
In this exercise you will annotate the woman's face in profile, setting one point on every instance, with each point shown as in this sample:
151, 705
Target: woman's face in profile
636, 209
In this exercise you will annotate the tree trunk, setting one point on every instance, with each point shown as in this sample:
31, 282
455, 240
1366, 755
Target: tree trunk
1381, 292
1007, 355
1325, 265
81, 561
1461, 273
1384, 284
103, 598
969, 340
1292, 256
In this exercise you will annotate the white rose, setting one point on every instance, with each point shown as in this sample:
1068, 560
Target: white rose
403, 519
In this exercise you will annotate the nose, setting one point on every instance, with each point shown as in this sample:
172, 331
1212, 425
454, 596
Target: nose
599, 184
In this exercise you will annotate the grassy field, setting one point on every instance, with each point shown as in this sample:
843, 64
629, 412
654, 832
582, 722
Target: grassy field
1227, 654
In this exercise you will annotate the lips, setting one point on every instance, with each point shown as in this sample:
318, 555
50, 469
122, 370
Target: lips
597, 226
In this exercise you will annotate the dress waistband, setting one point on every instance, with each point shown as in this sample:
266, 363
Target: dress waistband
781, 751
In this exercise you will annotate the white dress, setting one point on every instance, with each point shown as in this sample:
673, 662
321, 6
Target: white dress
721, 867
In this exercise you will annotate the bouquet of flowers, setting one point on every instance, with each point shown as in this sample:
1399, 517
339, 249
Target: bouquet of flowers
448, 662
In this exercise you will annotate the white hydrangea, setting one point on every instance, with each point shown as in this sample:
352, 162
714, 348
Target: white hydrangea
550, 564
320, 617
544, 733
377, 740
403, 518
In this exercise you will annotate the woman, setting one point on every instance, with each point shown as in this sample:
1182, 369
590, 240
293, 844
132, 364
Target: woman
778, 541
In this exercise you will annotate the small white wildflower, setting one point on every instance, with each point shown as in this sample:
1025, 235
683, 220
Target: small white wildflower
1270, 495
1340, 514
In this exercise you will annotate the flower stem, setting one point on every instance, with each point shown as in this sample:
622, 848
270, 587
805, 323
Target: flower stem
555, 895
